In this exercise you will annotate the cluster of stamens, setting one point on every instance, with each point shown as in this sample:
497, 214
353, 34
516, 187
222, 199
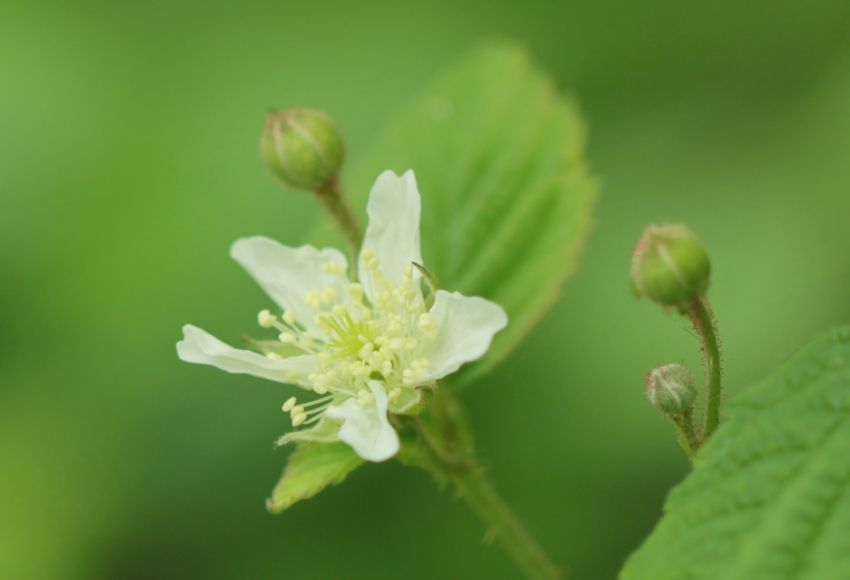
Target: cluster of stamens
364, 341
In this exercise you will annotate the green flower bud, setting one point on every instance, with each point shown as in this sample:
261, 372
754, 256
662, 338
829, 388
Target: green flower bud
670, 389
302, 147
669, 264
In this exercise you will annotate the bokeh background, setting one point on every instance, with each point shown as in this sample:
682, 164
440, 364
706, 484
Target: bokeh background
128, 164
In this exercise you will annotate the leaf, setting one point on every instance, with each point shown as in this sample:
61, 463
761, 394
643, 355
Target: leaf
506, 197
769, 498
311, 468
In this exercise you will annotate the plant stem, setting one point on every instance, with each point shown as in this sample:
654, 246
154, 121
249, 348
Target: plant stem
333, 201
687, 438
503, 524
451, 457
699, 311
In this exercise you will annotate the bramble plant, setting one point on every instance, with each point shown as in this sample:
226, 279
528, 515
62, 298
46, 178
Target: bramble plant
374, 347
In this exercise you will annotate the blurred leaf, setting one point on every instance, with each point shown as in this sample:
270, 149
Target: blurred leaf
311, 468
769, 498
506, 198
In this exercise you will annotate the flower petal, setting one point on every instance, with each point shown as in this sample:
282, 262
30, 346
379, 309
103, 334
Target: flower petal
394, 209
466, 329
367, 429
287, 274
199, 346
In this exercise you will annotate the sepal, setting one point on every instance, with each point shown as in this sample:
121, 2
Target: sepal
311, 468
324, 431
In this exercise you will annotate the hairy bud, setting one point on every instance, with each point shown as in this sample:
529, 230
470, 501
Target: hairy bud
302, 147
670, 389
670, 265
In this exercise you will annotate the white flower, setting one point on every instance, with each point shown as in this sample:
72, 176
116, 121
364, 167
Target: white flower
365, 348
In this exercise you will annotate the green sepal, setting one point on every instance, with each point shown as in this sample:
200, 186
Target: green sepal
324, 431
413, 401
431, 283
311, 468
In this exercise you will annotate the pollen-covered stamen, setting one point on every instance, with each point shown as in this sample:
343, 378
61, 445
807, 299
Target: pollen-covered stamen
364, 339
300, 413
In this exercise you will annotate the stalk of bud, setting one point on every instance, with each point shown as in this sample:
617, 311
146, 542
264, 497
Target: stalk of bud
670, 389
303, 148
670, 265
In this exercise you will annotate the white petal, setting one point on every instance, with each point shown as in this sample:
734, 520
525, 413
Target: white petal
287, 274
367, 429
466, 326
393, 232
199, 346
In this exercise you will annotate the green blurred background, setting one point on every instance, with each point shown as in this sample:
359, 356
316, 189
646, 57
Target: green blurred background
128, 164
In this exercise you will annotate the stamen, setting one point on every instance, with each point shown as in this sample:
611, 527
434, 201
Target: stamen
266, 319
328, 295
332, 268
317, 401
289, 317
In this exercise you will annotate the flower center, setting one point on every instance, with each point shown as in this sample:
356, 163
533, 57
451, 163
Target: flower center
363, 341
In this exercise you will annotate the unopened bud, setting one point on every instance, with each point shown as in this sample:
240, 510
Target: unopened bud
669, 264
302, 147
670, 389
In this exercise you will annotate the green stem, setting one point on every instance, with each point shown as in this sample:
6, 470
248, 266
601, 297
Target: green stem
503, 524
699, 312
687, 438
333, 201
451, 457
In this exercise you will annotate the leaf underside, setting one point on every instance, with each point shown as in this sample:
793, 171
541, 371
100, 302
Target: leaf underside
769, 498
311, 468
506, 197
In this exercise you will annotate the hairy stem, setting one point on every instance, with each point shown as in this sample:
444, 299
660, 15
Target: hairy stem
699, 312
687, 437
333, 201
452, 458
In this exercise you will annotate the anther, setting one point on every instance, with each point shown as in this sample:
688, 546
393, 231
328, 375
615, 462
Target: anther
328, 295
273, 356
289, 317
287, 337
298, 419
266, 319
289, 404
332, 268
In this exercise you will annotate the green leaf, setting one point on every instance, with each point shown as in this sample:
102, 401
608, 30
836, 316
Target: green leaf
311, 468
506, 197
769, 498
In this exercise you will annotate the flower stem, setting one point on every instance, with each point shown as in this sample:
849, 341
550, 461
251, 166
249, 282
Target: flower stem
477, 491
699, 311
687, 438
333, 201
447, 437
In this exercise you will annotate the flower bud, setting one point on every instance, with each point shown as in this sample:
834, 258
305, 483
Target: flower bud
669, 264
670, 389
302, 147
